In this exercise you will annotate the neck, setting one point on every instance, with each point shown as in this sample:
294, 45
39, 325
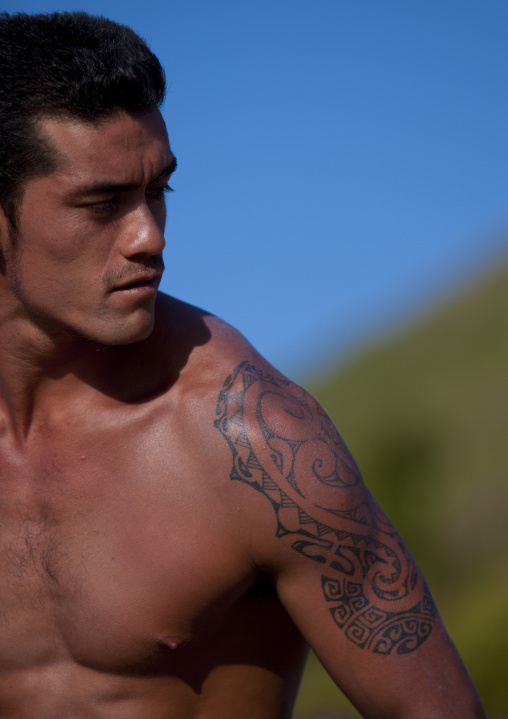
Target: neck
40, 369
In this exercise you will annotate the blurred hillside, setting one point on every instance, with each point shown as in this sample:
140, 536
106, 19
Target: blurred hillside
425, 413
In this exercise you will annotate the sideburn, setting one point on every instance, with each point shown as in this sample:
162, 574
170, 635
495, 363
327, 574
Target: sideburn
8, 239
9, 256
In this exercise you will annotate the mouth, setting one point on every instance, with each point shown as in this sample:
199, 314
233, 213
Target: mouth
147, 282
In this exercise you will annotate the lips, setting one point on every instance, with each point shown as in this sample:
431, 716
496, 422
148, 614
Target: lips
139, 281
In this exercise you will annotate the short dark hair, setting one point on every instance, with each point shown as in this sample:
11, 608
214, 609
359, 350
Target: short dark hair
64, 64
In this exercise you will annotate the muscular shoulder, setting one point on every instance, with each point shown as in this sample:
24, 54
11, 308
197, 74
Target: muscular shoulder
267, 425
275, 435
281, 437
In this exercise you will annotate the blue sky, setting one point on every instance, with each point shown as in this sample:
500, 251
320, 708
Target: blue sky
342, 163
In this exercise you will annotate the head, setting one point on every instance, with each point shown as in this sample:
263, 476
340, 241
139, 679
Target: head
84, 162
64, 65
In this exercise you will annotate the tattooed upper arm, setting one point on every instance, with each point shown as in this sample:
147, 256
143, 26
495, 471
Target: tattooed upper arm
285, 446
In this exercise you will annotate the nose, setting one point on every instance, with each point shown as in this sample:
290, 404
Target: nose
141, 234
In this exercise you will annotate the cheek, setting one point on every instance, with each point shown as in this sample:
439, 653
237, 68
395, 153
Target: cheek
71, 247
55, 267
55, 234
63, 243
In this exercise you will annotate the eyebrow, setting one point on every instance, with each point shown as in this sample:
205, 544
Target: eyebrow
106, 188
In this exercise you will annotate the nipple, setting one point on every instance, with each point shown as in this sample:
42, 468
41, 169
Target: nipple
172, 642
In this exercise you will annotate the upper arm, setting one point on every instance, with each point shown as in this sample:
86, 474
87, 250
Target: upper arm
341, 569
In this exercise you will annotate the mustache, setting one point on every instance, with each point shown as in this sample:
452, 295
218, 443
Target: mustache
133, 271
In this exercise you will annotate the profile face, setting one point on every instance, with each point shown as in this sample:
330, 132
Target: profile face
87, 259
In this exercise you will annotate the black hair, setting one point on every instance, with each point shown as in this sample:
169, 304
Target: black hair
64, 64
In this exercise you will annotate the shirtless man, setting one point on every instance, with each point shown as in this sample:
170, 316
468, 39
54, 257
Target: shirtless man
177, 519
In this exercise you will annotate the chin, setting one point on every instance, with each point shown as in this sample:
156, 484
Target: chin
123, 333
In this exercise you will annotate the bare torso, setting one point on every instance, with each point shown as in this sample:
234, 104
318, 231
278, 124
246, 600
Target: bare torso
126, 590
138, 581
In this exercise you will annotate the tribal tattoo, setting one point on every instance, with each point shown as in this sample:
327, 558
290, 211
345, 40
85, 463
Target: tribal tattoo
284, 445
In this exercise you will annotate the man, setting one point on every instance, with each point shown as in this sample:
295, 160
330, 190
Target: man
177, 519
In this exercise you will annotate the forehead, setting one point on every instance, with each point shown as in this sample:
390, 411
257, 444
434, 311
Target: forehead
124, 147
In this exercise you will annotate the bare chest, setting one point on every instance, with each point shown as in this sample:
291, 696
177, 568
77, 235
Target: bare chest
112, 559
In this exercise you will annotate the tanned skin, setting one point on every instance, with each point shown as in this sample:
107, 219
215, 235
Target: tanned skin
177, 519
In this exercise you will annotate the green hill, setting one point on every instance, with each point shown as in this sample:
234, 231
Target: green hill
425, 412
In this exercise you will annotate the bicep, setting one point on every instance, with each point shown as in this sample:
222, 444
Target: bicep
341, 569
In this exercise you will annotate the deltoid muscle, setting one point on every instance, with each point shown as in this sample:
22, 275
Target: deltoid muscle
286, 447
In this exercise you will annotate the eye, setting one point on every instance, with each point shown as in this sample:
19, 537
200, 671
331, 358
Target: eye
104, 206
159, 192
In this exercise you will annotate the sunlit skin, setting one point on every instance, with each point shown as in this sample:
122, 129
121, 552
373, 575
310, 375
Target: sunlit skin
139, 579
94, 228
